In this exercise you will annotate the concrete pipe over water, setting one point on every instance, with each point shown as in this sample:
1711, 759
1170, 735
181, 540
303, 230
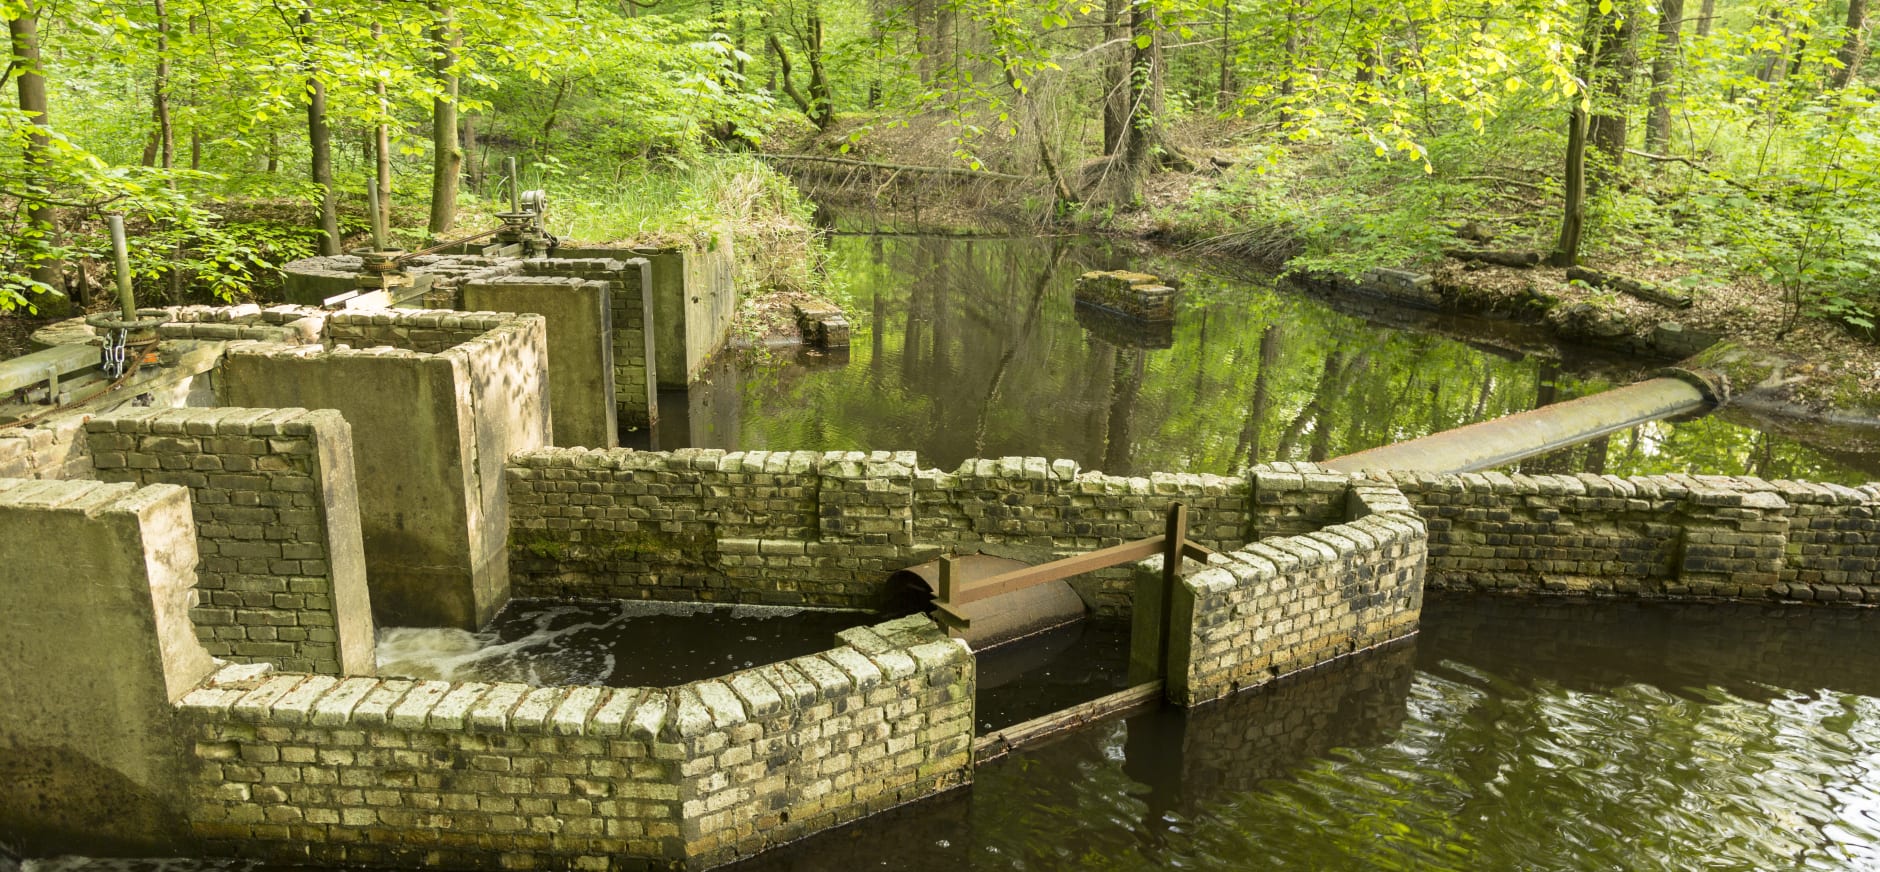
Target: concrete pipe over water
1490, 444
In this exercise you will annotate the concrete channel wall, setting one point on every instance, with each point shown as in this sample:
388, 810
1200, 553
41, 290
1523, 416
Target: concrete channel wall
823, 528
1654, 536
282, 577
437, 402
634, 385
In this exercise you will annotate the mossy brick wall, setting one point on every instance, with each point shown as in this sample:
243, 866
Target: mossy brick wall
281, 577
1292, 602
1138, 295
635, 366
506, 776
1667, 535
824, 528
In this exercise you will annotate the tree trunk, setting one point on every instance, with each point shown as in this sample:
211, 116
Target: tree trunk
160, 91
1115, 77
820, 95
1614, 60
320, 140
41, 222
1705, 16
382, 151
446, 154
1664, 74
472, 162
1223, 94
1853, 51
1567, 250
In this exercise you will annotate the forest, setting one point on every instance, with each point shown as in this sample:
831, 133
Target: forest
1708, 143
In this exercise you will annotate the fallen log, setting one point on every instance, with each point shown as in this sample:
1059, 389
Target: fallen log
898, 168
1647, 291
1517, 259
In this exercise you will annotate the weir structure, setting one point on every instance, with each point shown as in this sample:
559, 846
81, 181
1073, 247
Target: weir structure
194, 568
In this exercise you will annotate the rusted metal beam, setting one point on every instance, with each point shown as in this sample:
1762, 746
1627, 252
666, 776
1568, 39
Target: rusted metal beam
1056, 570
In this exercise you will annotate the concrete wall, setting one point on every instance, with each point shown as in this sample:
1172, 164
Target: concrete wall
581, 367
1287, 603
694, 298
635, 360
282, 577
431, 431
823, 528
96, 642
1672, 535
293, 767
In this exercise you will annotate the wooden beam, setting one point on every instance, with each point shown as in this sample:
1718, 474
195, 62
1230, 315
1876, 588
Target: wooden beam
995, 745
1176, 538
41, 366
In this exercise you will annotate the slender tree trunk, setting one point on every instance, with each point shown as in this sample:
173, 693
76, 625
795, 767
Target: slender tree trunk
160, 90
1706, 16
1573, 221
472, 161
1115, 77
41, 221
446, 154
195, 126
1224, 91
1664, 74
1614, 60
382, 150
320, 140
820, 95
1853, 51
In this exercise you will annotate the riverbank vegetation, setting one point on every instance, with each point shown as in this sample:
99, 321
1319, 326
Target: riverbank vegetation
1725, 150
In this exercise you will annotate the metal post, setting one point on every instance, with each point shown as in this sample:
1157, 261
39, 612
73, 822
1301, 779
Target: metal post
376, 215
121, 251
515, 185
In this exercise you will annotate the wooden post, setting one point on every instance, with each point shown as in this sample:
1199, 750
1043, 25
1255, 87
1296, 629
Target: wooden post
1171, 576
946, 580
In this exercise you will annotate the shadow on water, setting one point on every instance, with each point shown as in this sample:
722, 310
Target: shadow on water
972, 347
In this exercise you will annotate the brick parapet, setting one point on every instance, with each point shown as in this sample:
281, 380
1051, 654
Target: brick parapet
280, 578
1292, 602
472, 775
823, 528
1657, 536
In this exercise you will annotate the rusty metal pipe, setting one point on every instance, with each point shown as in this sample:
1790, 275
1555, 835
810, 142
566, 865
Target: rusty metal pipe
1490, 444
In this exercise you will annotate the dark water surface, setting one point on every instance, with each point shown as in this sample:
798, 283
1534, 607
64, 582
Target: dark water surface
974, 348
1512, 734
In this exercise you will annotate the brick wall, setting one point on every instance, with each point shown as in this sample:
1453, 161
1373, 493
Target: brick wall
358, 770
419, 330
1669, 535
1287, 603
634, 370
55, 448
282, 574
823, 528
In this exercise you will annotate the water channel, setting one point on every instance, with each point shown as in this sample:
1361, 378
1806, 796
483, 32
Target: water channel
1510, 734
973, 348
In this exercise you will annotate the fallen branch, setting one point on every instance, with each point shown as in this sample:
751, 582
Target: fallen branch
1504, 181
1646, 291
1518, 259
1678, 158
899, 168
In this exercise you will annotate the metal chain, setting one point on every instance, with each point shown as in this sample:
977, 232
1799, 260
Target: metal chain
113, 356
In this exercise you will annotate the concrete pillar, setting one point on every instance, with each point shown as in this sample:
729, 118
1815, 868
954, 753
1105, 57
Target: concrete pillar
580, 349
94, 629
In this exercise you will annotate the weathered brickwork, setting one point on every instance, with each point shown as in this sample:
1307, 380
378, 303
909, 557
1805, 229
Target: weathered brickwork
1287, 603
417, 330
273, 495
823, 528
55, 448
634, 368
506, 776
1669, 535
1138, 295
